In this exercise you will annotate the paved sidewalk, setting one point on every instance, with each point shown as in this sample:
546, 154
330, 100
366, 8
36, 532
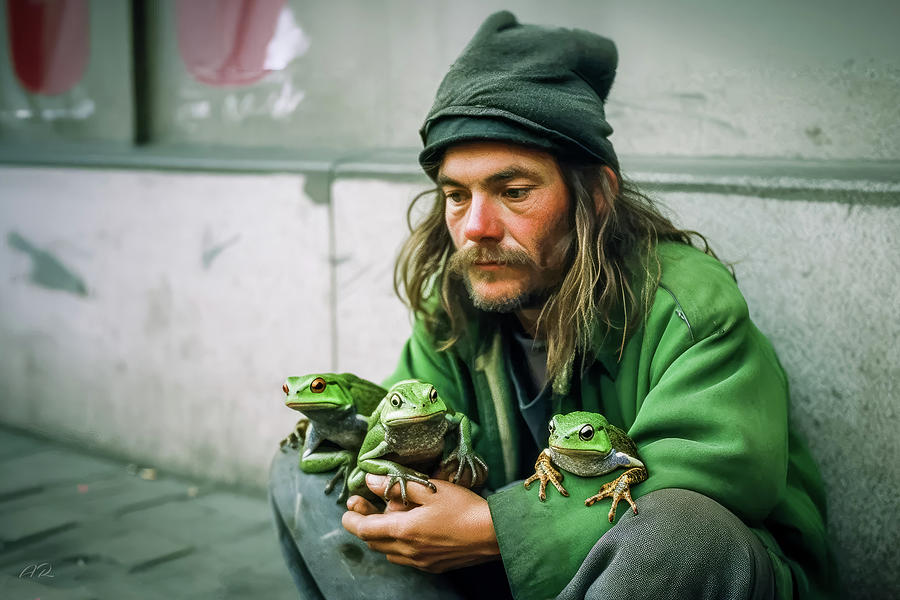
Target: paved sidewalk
77, 527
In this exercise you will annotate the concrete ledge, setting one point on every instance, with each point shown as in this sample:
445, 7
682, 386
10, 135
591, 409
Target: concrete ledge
856, 182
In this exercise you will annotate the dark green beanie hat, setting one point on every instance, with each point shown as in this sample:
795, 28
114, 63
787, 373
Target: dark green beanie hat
537, 86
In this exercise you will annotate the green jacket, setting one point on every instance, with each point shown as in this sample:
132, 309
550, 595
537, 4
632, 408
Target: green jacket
699, 390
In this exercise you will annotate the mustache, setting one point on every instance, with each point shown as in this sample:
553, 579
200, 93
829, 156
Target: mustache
460, 261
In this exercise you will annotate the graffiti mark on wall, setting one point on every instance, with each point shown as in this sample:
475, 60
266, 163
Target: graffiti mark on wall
211, 251
47, 271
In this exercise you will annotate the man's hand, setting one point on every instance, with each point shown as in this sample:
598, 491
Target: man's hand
444, 530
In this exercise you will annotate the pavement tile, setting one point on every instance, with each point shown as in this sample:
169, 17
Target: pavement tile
51, 467
34, 520
64, 547
134, 550
198, 575
192, 523
16, 444
102, 497
224, 579
258, 549
25, 588
125, 588
97, 579
108, 534
234, 505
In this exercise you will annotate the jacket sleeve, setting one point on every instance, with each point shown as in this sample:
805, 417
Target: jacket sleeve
706, 404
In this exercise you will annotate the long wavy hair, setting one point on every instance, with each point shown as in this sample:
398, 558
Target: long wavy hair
611, 277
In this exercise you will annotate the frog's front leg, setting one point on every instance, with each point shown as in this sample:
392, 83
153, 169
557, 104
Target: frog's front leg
619, 488
396, 474
320, 462
312, 460
544, 471
465, 454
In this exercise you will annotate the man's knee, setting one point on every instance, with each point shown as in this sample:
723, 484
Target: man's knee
680, 543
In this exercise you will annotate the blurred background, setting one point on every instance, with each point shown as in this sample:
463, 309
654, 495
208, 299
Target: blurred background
199, 198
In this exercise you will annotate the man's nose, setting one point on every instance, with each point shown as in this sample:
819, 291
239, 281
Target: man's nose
483, 220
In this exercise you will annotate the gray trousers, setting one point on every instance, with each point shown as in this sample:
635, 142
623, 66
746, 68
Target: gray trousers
681, 544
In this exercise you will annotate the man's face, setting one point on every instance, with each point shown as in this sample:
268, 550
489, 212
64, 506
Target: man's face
506, 207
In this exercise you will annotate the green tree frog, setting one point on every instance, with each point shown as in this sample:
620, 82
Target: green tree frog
336, 406
586, 444
408, 434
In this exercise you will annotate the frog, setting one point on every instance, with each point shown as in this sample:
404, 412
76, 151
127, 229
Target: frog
586, 444
336, 407
409, 433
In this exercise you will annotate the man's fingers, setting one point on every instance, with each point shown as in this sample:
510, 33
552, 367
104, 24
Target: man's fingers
362, 506
371, 527
397, 505
416, 493
427, 563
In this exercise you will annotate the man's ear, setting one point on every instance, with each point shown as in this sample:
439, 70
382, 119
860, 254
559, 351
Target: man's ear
601, 204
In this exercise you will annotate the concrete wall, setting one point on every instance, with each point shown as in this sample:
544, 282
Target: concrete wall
154, 315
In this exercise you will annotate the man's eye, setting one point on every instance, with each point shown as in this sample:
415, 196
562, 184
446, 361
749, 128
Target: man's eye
453, 197
517, 193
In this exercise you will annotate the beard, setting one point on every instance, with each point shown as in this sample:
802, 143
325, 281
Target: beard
460, 265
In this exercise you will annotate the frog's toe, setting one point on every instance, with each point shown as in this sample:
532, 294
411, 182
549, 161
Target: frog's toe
473, 468
479, 471
424, 481
390, 483
340, 475
542, 493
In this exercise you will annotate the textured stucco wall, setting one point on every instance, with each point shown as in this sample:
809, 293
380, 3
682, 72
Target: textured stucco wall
821, 282
154, 315
198, 295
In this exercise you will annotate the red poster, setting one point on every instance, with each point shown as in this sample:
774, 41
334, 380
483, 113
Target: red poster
49, 43
224, 42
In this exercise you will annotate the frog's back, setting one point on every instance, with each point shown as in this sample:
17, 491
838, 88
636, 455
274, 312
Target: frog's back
621, 441
366, 394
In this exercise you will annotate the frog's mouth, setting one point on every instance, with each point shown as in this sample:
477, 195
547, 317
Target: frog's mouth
580, 452
302, 406
416, 419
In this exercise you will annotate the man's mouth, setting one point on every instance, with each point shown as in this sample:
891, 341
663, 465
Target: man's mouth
488, 265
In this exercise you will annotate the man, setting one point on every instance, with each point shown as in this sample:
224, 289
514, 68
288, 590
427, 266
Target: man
543, 283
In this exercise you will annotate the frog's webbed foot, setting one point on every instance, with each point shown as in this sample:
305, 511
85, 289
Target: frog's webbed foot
545, 472
619, 488
476, 465
402, 478
291, 442
295, 437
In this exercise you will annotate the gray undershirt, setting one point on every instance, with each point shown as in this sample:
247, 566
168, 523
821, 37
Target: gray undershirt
526, 363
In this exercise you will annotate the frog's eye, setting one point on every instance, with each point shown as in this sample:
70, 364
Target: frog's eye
286, 389
396, 401
551, 426
317, 386
586, 433
432, 395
